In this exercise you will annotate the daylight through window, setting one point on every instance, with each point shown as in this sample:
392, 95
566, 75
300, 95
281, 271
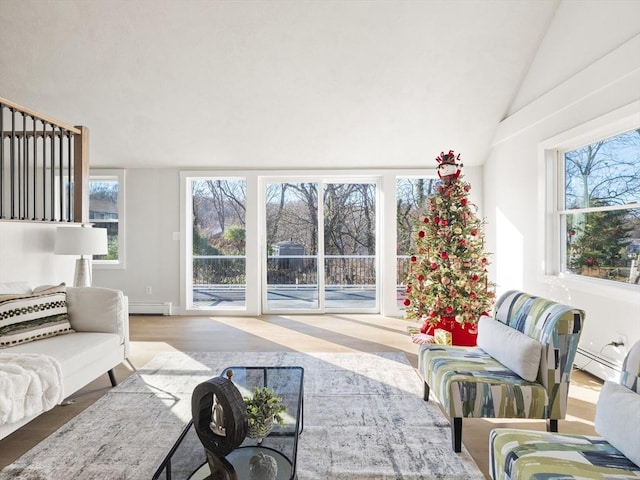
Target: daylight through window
600, 209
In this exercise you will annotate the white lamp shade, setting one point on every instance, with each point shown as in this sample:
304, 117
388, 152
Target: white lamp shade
81, 241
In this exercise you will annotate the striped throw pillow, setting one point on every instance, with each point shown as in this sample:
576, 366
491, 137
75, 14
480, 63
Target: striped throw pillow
29, 317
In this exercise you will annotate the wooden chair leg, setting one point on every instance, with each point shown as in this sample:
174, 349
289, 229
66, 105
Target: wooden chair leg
552, 425
456, 434
425, 397
112, 377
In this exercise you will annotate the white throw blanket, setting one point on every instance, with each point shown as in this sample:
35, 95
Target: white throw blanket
30, 384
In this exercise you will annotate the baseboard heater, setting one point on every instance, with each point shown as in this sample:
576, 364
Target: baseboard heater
598, 365
150, 308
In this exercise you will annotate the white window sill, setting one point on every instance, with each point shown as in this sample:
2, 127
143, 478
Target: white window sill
625, 292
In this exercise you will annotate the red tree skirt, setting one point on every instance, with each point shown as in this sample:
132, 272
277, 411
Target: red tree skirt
464, 336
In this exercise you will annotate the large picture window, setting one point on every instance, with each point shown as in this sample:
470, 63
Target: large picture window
599, 208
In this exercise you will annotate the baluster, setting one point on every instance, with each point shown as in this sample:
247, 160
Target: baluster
25, 171
35, 164
69, 178
61, 174
44, 170
52, 179
12, 160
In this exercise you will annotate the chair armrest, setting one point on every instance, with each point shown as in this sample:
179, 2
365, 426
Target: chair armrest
94, 309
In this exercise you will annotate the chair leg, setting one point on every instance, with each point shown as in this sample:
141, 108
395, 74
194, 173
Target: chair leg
552, 425
112, 377
425, 397
456, 434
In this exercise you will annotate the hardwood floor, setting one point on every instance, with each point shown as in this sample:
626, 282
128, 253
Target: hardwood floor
151, 335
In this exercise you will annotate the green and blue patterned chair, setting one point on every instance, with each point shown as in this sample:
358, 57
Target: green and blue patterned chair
528, 455
521, 367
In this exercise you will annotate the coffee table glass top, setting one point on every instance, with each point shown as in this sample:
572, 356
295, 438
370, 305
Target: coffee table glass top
187, 459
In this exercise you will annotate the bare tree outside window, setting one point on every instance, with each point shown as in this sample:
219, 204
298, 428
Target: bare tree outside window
218, 240
411, 198
601, 210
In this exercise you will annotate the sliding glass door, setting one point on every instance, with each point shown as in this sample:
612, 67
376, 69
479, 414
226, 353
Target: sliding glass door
350, 262
301, 242
320, 249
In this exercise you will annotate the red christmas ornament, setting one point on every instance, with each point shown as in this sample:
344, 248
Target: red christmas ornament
444, 255
420, 277
426, 220
433, 265
463, 202
443, 222
421, 234
413, 259
407, 302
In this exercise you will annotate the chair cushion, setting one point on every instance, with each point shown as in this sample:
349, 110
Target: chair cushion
618, 419
522, 454
510, 347
28, 317
470, 383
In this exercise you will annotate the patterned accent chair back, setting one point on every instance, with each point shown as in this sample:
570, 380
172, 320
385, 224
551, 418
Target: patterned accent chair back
557, 327
630, 376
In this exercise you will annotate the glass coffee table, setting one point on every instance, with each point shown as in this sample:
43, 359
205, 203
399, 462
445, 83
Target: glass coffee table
187, 461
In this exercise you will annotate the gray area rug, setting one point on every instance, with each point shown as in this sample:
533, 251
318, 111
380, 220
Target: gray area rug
364, 418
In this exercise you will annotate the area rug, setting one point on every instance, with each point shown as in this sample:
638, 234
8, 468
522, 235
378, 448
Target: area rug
364, 418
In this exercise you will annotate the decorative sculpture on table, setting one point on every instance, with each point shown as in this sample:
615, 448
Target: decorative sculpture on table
263, 467
217, 418
220, 420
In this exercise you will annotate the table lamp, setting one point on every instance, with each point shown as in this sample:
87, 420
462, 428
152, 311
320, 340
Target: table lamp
84, 240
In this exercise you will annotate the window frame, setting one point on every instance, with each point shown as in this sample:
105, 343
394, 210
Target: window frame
255, 208
552, 244
119, 175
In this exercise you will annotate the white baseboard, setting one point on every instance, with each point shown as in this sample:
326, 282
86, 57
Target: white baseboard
150, 308
597, 365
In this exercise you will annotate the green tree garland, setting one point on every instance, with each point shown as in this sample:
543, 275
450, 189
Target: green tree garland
448, 275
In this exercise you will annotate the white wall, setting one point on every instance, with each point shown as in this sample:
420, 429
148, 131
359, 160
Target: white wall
26, 255
152, 217
514, 172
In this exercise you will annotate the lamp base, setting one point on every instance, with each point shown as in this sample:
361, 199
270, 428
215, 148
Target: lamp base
82, 276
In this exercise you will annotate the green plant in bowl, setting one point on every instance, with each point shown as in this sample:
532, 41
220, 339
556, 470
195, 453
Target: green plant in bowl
263, 408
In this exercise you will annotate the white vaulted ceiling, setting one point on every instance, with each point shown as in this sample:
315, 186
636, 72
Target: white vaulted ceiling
275, 84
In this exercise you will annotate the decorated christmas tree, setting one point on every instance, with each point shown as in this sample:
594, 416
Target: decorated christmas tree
447, 289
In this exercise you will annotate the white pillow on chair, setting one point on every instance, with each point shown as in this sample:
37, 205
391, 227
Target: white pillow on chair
512, 348
618, 419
